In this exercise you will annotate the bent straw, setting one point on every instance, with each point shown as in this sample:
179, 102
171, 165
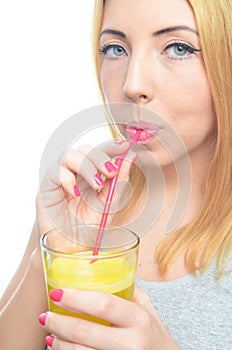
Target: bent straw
110, 194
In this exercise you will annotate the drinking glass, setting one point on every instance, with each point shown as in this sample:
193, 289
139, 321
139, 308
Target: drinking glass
69, 262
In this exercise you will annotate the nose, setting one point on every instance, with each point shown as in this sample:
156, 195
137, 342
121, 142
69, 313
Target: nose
138, 85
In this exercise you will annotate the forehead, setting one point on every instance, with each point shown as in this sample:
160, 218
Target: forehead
147, 14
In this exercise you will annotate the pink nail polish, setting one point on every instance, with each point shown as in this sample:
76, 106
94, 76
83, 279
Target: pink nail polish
76, 191
133, 163
110, 167
98, 180
120, 142
49, 340
56, 294
42, 318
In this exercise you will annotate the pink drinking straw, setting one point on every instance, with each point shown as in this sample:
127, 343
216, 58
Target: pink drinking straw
111, 193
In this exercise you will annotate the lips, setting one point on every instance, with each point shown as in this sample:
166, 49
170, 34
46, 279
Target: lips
149, 130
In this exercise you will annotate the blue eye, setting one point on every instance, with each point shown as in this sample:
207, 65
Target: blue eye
180, 50
113, 51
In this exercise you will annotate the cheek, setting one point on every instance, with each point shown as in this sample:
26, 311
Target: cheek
200, 104
198, 97
192, 104
112, 78
190, 93
191, 108
199, 126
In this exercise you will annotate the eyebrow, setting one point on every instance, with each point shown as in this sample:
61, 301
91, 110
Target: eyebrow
157, 33
114, 32
174, 29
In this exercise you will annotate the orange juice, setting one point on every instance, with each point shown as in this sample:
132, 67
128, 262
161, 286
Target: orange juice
108, 274
69, 261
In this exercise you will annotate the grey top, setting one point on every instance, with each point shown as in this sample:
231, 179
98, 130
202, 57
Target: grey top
197, 311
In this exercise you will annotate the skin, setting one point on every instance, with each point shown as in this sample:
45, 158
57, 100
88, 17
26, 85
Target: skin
147, 72
170, 81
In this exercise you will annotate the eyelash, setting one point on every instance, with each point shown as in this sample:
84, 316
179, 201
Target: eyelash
191, 50
104, 50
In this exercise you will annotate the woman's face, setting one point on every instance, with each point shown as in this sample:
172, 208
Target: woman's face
151, 57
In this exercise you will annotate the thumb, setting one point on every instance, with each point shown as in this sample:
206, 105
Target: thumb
122, 190
142, 299
124, 170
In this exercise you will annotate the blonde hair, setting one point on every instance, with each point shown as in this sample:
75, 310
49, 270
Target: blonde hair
209, 236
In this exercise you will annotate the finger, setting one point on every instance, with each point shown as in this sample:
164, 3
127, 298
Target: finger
78, 163
108, 307
58, 344
102, 156
142, 299
75, 333
54, 198
51, 180
89, 162
72, 330
56, 179
122, 187
113, 149
68, 182
100, 159
49, 193
125, 167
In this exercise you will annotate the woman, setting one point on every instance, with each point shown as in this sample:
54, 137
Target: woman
174, 59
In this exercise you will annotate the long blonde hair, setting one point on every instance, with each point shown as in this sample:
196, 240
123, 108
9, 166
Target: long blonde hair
210, 234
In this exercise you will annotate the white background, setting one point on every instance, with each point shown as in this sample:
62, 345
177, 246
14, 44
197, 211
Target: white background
46, 76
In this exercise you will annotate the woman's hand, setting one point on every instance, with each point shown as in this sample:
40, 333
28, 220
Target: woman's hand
75, 189
135, 325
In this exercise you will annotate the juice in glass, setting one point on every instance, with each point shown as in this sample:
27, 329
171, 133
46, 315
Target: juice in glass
69, 263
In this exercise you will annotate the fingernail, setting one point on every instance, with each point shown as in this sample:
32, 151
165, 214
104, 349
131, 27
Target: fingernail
49, 340
56, 294
110, 167
133, 162
98, 180
76, 191
120, 142
42, 318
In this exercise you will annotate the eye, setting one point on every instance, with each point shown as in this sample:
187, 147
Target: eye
112, 51
180, 50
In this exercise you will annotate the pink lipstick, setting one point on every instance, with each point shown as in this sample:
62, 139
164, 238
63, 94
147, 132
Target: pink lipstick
149, 130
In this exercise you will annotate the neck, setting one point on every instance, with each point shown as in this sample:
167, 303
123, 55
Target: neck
180, 187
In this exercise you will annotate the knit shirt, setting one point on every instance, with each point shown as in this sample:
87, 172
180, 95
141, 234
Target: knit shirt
196, 310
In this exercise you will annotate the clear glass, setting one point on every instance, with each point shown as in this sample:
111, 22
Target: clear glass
69, 262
